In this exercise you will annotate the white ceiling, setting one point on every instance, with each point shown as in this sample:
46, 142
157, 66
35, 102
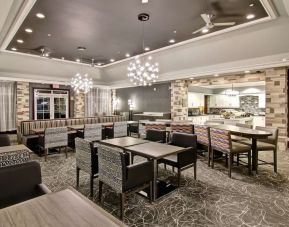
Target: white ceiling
258, 46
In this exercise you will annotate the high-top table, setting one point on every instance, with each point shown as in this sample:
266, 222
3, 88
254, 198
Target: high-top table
248, 133
59, 209
156, 151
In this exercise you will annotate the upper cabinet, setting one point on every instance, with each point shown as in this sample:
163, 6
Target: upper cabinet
195, 100
224, 101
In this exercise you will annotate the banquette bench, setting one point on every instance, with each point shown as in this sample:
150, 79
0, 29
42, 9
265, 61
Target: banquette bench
29, 138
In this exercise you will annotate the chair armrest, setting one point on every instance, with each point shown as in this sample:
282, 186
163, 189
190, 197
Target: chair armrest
139, 173
43, 189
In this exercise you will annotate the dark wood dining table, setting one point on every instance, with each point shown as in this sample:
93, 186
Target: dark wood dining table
155, 151
247, 133
63, 208
123, 142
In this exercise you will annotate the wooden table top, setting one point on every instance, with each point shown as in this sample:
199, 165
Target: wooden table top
64, 208
155, 150
123, 141
19, 147
253, 133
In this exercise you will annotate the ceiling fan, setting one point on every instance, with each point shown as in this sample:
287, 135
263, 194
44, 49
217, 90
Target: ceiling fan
209, 24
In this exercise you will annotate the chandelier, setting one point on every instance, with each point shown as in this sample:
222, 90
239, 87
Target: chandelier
81, 82
232, 92
142, 71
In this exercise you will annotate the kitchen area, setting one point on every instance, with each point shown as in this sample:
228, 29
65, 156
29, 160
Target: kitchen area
229, 103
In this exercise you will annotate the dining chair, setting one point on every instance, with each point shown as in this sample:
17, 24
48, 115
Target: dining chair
54, 138
4, 140
86, 160
221, 141
203, 138
125, 179
138, 129
185, 159
269, 144
91, 132
156, 125
119, 129
182, 127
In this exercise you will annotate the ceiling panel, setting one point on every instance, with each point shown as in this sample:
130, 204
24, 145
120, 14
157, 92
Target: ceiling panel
109, 29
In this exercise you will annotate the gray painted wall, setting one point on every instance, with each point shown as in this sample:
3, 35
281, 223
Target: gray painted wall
145, 98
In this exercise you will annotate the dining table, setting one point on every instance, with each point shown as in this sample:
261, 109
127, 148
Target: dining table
155, 151
59, 209
252, 134
123, 142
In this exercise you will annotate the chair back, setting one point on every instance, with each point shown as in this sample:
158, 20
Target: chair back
203, 134
271, 139
55, 137
244, 125
182, 127
184, 140
86, 158
93, 132
220, 139
157, 126
19, 182
4, 140
111, 166
120, 129
156, 135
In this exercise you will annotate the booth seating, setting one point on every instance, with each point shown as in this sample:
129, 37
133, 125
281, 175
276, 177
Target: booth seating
29, 138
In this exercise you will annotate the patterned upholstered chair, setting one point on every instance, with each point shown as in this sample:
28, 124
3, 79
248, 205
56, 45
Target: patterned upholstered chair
269, 144
54, 138
115, 171
91, 132
203, 138
182, 127
119, 129
11, 158
157, 126
185, 159
86, 160
221, 141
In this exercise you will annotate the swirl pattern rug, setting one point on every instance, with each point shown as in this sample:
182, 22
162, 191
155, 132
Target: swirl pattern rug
212, 200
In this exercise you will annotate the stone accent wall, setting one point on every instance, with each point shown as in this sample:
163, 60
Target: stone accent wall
277, 103
113, 99
22, 103
79, 102
179, 102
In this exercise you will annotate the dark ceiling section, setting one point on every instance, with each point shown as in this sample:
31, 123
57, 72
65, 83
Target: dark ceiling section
109, 29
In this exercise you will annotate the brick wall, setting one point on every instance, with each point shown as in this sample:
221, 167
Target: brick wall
22, 103
179, 103
277, 103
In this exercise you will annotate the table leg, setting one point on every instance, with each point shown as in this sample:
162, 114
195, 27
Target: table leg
155, 162
254, 156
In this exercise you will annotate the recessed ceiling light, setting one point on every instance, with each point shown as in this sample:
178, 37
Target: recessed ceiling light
251, 5
147, 49
49, 35
127, 55
78, 60
191, 78
40, 15
284, 59
13, 48
250, 16
62, 58
28, 30
144, 1
112, 60
247, 71
20, 41
216, 75
205, 30
175, 32
99, 64
172, 41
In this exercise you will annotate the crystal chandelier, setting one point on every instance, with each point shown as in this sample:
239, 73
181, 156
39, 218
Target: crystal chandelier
142, 71
232, 92
80, 82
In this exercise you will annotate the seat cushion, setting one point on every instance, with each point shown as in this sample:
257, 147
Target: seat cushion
262, 146
240, 148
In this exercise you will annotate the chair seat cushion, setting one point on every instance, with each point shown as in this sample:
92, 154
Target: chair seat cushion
262, 146
240, 148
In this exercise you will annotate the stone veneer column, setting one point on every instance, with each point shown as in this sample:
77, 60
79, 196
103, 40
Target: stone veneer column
179, 102
113, 99
22, 103
79, 102
277, 103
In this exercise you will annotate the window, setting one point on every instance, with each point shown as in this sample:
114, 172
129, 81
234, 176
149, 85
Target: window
51, 104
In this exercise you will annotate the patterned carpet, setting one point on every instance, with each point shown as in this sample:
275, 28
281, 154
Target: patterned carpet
212, 200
